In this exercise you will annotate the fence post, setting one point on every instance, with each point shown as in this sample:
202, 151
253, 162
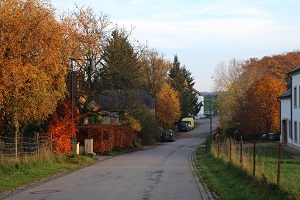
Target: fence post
218, 143
51, 146
230, 148
38, 142
279, 162
254, 157
241, 152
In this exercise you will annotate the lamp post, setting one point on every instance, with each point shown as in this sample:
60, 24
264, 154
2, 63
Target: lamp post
73, 138
210, 121
90, 68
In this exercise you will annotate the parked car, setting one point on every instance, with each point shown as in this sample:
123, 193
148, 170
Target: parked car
269, 136
183, 127
208, 114
168, 135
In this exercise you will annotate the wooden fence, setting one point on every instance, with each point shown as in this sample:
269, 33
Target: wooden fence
272, 162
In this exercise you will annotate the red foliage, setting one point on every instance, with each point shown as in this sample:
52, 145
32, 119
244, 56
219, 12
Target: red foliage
62, 127
106, 138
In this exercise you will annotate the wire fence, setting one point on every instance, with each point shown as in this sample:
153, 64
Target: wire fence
24, 146
272, 162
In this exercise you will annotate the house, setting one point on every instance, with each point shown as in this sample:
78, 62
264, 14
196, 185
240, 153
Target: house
113, 102
200, 99
290, 111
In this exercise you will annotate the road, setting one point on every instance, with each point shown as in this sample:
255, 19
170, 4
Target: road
155, 173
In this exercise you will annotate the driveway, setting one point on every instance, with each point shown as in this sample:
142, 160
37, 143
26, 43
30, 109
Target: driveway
157, 173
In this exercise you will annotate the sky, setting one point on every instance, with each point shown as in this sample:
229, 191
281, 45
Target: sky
205, 33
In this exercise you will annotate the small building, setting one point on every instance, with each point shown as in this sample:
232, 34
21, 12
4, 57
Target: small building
200, 96
114, 102
290, 111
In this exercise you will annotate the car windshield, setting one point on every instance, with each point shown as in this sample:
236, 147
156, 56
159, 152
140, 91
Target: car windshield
184, 122
165, 132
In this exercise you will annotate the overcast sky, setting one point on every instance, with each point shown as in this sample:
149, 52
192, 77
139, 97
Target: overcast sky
204, 33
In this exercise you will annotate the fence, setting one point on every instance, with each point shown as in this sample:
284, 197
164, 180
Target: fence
271, 162
25, 145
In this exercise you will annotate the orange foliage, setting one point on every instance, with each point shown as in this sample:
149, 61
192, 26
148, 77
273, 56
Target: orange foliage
107, 138
261, 112
275, 65
62, 127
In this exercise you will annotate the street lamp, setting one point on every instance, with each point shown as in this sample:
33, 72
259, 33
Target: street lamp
90, 68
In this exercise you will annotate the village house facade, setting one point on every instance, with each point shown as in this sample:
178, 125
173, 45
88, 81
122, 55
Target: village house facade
290, 111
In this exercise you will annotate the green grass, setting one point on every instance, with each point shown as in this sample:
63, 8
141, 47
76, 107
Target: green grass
231, 182
30, 170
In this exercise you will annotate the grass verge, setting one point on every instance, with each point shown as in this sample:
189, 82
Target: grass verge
231, 182
30, 170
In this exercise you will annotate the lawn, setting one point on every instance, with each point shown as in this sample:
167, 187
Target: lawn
30, 170
231, 182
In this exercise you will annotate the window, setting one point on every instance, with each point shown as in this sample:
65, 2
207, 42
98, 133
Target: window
295, 131
299, 96
295, 97
290, 130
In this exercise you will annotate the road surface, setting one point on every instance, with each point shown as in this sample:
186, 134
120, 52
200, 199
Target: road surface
157, 173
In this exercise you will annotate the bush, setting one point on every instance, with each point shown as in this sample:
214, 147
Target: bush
62, 127
150, 129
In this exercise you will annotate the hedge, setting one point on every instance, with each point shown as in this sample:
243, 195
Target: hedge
106, 137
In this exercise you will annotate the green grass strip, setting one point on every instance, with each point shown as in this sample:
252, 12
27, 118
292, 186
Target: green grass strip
22, 173
233, 183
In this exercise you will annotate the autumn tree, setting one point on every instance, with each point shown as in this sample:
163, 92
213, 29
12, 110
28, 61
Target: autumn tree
32, 61
167, 106
276, 65
229, 87
233, 80
88, 33
262, 108
154, 70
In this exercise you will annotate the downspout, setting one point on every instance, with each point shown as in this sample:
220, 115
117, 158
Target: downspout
291, 109
280, 120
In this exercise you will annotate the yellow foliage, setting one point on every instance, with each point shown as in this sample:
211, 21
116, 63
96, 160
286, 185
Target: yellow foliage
167, 105
33, 52
131, 122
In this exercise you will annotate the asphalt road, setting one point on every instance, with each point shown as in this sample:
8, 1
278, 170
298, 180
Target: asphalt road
155, 173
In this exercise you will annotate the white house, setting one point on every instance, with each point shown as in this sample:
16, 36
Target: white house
290, 111
200, 99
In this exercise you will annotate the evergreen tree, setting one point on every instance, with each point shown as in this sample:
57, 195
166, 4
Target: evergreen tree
121, 69
182, 81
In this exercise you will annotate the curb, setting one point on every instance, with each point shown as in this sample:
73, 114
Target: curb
206, 194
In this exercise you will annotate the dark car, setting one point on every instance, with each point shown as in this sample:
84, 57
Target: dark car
208, 114
168, 135
183, 127
269, 136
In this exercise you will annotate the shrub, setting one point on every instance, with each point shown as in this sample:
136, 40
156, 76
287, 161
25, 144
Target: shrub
62, 127
150, 129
